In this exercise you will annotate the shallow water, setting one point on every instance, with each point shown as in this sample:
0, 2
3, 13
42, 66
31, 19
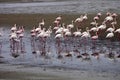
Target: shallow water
59, 7
64, 6
102, 64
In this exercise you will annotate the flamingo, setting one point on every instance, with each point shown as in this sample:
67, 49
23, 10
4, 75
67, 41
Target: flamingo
65, 29
99, 14
108, 13
14, 44
14, 28
117, 30
111, 29
71, 25
85, 36
38, 29
59, 18
96, 18
86, 33
33, 32
85, 17
59, 35
110, 36
101, 30
20, 36
79, 19
68, 33
42, 23
41, 33
93, 23
47, 33
102, 27
77, 33
59, 30
94, 29
33, 35
94, 38
114, 15
56, 24
109, 17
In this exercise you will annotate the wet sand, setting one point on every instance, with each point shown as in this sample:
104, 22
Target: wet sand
18, 72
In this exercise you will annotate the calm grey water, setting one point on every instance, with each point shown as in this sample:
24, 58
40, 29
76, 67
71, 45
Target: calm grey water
61, 6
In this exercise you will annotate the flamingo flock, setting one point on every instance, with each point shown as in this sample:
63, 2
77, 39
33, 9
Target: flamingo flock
16, 41
67, 41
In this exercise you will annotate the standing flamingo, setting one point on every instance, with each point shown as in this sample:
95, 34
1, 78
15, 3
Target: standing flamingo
33, 45
79, 19
14, 28
42, 24
71, 25
57, 37
77, 33
111, 29
13, 44
94, 38
110, 37
85, 17
85, 36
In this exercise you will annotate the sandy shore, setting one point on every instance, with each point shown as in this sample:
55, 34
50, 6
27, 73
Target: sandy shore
18, 72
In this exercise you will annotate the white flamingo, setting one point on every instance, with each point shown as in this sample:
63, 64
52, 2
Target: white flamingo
110, 35
68, 33
38, 29
79, 19
14, 28
117, 30
13, 35
99, 14
94, 29
102, 27
59, 30
85, 17
111, 29
41, 33
86, 33
77, 33
71, 25
33, 32
96, 18
109, 17
42, 23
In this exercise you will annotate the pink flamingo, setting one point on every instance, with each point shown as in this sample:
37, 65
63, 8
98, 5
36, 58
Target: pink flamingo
33, 35
57, 37
110, 36
42, 24
94, 38
85, 36
13, 44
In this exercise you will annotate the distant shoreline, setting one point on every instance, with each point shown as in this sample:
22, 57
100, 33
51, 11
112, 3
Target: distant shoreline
26, 1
